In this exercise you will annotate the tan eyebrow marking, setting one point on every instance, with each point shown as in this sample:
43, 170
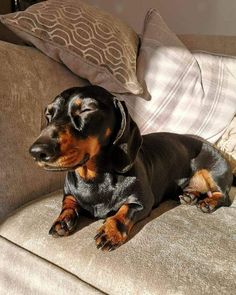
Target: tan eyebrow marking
107, 132
77, 102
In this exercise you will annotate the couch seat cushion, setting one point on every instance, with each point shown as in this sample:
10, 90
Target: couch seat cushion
180, 251
24, 273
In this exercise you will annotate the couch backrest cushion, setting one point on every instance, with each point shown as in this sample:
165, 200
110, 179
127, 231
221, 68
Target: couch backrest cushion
29, 80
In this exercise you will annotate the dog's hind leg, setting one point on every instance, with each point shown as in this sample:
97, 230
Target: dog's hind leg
210, 181
200, 184
204, 191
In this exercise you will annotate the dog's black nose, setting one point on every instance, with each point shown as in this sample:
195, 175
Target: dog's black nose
43, 151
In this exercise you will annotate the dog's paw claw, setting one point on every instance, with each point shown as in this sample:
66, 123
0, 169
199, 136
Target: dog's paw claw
188, 199
98, 235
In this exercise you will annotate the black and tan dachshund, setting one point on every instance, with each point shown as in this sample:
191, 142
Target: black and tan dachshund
115, 173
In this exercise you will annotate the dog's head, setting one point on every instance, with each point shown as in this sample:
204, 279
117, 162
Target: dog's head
81, 122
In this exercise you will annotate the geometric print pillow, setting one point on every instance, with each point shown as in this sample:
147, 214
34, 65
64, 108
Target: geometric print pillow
92, 43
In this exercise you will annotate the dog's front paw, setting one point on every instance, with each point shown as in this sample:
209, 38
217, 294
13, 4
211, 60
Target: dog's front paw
65, 224
111, 235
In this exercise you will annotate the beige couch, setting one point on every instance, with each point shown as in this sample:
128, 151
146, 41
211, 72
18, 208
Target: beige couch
177, 250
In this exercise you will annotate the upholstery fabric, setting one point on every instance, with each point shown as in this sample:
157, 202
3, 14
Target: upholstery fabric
25, 273
189, 92
177, 250
8, 36
93, 44
227, 144
29, 81
223, 45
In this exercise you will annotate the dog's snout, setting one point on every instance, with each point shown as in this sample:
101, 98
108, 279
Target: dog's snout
45, 152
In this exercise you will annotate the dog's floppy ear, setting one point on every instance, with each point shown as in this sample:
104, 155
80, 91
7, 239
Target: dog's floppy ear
127, 142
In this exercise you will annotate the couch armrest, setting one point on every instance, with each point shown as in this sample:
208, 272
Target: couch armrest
29, 80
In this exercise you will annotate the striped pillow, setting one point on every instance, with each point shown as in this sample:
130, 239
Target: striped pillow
188, 92
92, 43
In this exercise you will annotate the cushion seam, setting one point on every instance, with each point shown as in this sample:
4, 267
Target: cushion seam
63, 269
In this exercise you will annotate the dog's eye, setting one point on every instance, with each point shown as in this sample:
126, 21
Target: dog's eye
49, 115
86, 110
48, 118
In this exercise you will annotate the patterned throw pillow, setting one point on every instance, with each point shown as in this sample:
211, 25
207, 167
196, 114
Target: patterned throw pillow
92, 43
